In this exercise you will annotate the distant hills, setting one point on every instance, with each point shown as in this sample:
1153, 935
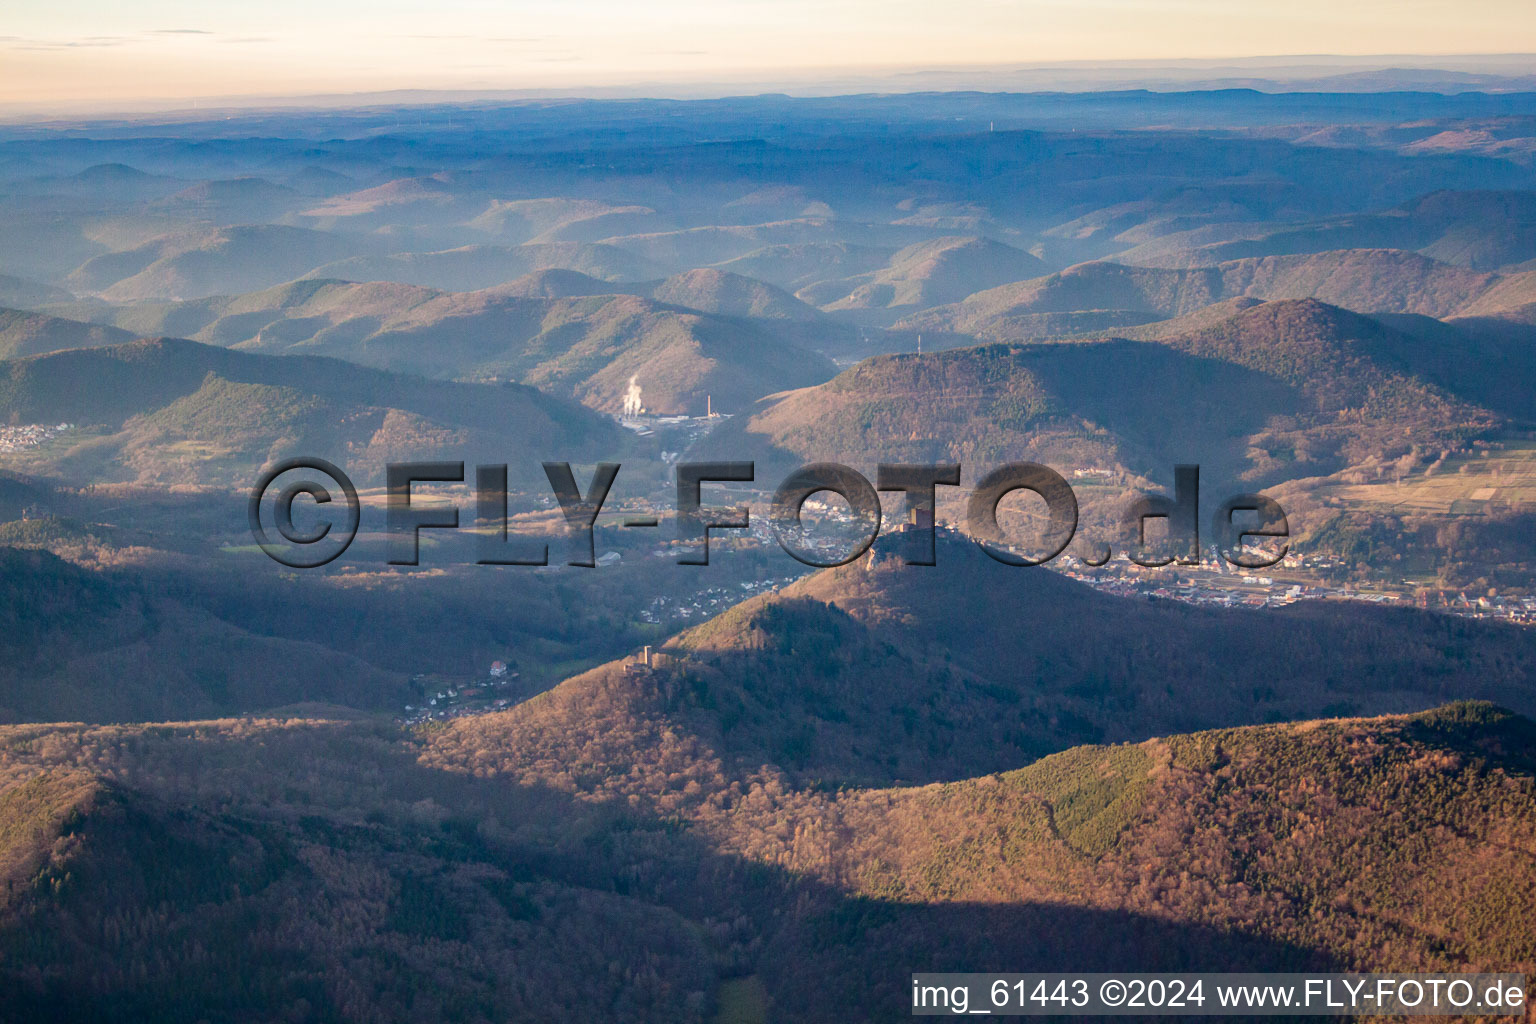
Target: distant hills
243, 200
795, 266
1478, 229
198, 263
181, 411
414, 201
26, 334
750, 266
113, 182
1103, 297
713, 243
927, 274
519, 221
719, 291
585, 342
471, 267
19, 292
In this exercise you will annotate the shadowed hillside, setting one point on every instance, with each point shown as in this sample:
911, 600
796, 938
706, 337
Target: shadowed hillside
1094, 296
19, 292
137, 909
1479, 229
402, 876
27, 334
861, 675
1320, 388
927, 274
193, 264
182, 411
584, 343
89, 646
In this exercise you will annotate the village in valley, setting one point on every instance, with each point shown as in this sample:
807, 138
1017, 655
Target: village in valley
26, 436
438, 698
1214, 583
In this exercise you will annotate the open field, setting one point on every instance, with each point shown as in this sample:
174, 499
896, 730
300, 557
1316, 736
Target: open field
1501, 478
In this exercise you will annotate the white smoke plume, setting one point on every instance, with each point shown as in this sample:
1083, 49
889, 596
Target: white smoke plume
632, 406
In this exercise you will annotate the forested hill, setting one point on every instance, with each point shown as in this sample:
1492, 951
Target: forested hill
344, 871
895, 673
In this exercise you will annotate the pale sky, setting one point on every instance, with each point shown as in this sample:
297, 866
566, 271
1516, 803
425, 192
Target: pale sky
67, 51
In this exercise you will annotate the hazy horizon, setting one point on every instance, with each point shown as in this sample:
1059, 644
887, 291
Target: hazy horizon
169, 52
1494, 73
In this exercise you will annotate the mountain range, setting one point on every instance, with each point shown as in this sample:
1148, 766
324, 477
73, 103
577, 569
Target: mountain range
622, 788
702, 334
1098, 297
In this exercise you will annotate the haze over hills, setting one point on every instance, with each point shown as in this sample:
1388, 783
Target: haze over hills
520, 221
471, 267
706, 290
181, 411
585, 343
244, 200
793, 267
105, 182
202, 263
879, 206
26, 334
730, 294
1480, 230
927, 274
403, 203
709, 245
18, 292
828, 166
1077, 299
